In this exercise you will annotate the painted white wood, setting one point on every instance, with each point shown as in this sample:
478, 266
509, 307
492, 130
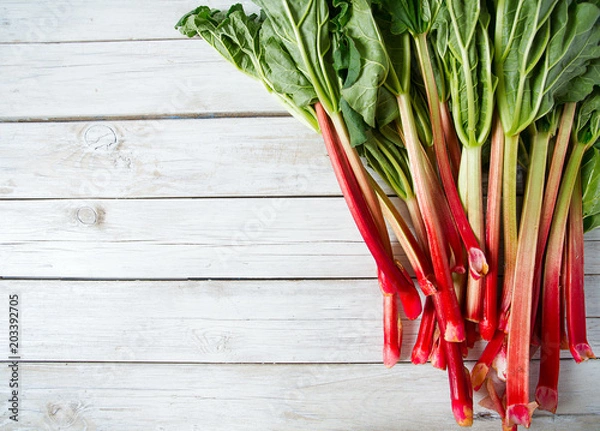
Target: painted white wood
319, 321
124, 79
189, 238
84, 20
182, 238
164, 158
167, 397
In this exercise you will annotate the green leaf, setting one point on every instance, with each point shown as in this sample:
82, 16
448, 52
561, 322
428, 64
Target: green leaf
398, 50
591, 222
576, 89
357, 128
468, 62
574, 44
302, 27
281, 70
416, 16
249, 43
387, 107
521, 35
590, 180
365, 76
233, 34
587, 121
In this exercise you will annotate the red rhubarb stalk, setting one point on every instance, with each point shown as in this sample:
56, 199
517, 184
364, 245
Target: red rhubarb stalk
363, 218
477, 261
448, 314
461, 392
550, 195
417, 258
547, 389
392, 335
452, 142
574, 280
438, 357
509, 222
489, 318
481, 368
517, 385
422, 349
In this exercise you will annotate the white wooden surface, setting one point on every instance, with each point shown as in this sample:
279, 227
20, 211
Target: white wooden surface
132, 160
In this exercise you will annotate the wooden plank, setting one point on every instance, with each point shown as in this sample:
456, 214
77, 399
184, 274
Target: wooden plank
74, 20
171, 397
189, 238
124, 79
181, 238
164, 158
320, 321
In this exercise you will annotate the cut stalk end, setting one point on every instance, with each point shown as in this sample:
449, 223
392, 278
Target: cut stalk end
520, 414
391, 355
463, 414
454, 333
477, 263
419, 356
478, 375
487, 329
581, 352
547, 398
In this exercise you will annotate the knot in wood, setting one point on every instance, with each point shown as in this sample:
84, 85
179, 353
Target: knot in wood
100, 136
87, 216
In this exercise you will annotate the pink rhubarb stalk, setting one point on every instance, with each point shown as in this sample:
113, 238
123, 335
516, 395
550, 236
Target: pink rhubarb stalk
574, 280
489, 318
392, 339
394, 281
517, 385
448, 313
547, 388
481, 368
477, 261
422, 349
550, 195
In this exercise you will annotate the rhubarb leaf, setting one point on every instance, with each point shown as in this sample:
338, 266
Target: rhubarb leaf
233, 34
370, 67
303, 29
590, 177
522, 32
469, 66
416, 16
587, 133
574, 44
387, 107
282, 71
355, 124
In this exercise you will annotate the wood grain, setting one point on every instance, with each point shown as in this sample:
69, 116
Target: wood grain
170, 397
232, 157
283, 321
124, 79
28, 21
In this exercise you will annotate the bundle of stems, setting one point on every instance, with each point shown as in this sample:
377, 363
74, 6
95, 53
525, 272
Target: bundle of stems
420, 95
